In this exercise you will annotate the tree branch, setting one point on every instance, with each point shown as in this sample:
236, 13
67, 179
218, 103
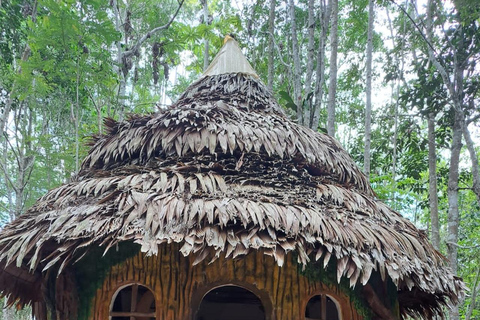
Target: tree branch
468, 121
462, 247
415, 24
146, 36
279, 53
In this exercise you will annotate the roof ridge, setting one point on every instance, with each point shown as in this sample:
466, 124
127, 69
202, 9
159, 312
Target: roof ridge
230, 59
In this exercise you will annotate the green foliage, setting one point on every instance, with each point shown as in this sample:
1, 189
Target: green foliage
289, 103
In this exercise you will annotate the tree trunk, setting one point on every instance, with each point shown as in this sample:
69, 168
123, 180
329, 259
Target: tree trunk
432, 183
20, 146
6, 111
309, 72
75, 115
476, 288
453, 210
271, 44
473, 160
432, 156
11, 95
368, 107
121, 67
297, 84
332, 87
325, 10
458, 130
206, 57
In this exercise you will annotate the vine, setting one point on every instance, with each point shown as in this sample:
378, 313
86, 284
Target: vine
91, 271
328, 276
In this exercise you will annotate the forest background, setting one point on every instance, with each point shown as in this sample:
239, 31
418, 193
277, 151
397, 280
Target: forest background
65, 65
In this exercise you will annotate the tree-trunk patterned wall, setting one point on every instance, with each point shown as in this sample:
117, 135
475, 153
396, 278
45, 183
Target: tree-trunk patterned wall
179, 286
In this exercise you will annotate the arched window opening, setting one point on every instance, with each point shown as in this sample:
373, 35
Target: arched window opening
321, 307
134, 302
231, 302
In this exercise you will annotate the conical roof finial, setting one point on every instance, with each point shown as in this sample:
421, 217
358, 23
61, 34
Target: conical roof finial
230, 59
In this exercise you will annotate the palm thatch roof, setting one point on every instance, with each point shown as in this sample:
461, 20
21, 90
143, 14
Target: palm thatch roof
223, 172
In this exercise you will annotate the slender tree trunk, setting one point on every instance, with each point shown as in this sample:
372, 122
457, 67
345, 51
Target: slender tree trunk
20, 146
473, 298
325, 11
474, 161
332, 87
432, 185
310, 65
21, 138
11, 95
6, 111
271, 44
297, 84
458, 129
452, 194
122, 68
396, 95
432, 156
97, 104
75, 118
6, 175
206, 57
368, 109
400, 60
395, 144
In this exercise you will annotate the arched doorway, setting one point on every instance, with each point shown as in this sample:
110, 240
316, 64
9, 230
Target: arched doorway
232, 303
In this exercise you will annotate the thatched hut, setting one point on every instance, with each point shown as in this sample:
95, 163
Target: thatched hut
220, 207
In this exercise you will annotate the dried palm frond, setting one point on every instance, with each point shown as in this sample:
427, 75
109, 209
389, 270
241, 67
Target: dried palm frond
224, 172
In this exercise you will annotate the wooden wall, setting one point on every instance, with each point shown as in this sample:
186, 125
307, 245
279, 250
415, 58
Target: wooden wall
179, 287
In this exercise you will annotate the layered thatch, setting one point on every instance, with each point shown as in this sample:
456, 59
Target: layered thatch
224, 172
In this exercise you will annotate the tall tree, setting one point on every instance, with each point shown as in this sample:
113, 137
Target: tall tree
368, 107
206, 21
432, 182
432, 154
453, 57
297, 69
271, 43
332, 86
453, 205
324, 15
307, 101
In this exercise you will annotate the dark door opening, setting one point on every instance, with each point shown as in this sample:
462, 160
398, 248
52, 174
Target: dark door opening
230, 303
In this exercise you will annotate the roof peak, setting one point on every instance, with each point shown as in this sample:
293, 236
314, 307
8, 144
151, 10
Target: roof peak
230, 59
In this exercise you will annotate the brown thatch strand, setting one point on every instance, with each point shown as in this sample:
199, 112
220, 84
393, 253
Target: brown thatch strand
224, 172
250, 122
